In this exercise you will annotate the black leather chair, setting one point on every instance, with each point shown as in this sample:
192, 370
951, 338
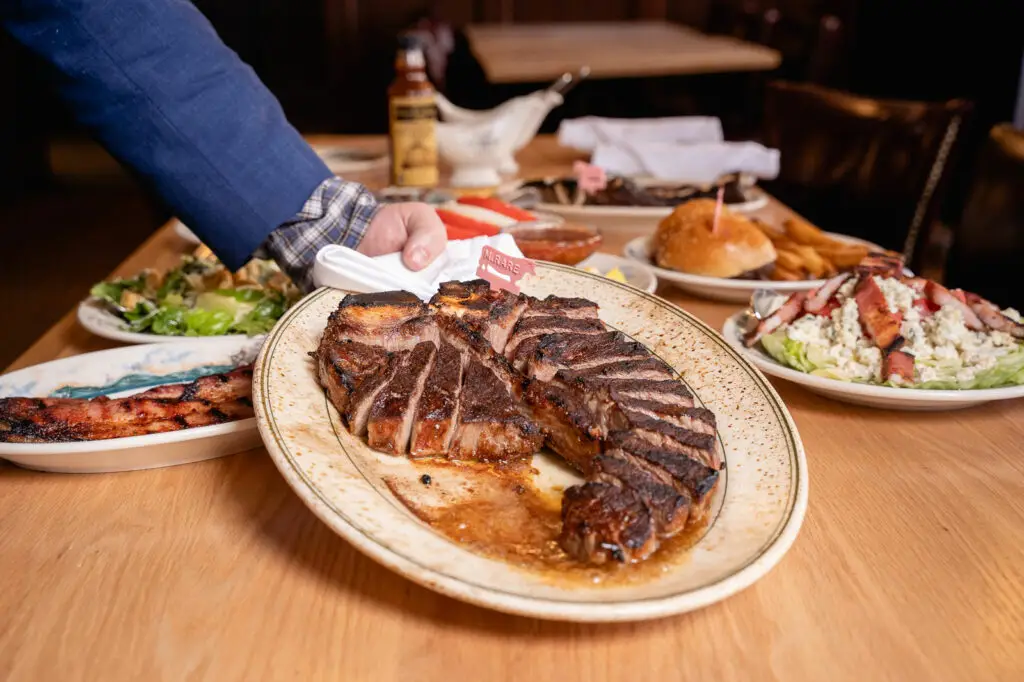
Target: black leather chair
987, 252
874, 169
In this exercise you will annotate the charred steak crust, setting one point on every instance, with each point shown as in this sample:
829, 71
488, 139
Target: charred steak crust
479, 374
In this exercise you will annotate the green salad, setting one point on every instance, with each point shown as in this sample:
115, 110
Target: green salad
201, 297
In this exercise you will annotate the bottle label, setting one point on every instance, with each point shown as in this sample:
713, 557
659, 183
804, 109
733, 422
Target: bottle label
414, 142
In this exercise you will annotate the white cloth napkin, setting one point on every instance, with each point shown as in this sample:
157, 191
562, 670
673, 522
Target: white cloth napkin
344, 268
701, 163
589, 132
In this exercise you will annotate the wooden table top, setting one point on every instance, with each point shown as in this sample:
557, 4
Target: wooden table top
910, 565
533, 53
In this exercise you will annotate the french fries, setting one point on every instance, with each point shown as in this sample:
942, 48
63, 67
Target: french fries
805, 252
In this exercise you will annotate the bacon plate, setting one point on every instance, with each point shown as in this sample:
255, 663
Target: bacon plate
212, 399
879, 323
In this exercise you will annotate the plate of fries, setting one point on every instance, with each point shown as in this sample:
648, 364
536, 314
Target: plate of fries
807, 256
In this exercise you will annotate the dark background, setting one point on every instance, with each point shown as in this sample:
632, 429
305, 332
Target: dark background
329, 63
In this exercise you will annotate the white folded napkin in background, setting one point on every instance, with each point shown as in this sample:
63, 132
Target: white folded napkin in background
701, 163
344, 268
590, 131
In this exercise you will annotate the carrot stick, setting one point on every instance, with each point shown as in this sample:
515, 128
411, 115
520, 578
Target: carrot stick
499, 206
475, 226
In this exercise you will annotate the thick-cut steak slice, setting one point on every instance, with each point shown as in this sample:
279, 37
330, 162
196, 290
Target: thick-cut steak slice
438, 410
696, 477
491, 426
602, 522
360, 400
343, 366
579, 308
538, 325
647, 368
492, 312
393, 320
669, 505
391, 414
475, 346
570, 427
580, 351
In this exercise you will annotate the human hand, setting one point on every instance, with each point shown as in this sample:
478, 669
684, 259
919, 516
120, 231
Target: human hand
412, 228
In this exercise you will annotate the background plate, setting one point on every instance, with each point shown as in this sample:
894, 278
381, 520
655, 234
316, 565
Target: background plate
123, 371
720, 288
351, 488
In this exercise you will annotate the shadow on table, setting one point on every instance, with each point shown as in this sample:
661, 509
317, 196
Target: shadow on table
313, 547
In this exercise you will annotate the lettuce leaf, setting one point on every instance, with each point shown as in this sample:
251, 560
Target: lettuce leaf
1008, 370
200, 322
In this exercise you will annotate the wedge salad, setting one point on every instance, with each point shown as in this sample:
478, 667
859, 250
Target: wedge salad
878, 325
200, 297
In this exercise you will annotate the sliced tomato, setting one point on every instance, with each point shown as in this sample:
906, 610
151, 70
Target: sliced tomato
499, 206
925, 306
477, 227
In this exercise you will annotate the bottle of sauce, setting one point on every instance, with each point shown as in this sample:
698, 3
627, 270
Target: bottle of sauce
412, 119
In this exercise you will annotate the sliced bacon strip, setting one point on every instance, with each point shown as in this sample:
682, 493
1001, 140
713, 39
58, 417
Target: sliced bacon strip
786, 313
993, 317
819, 298
942, 296
879, 323
900, 364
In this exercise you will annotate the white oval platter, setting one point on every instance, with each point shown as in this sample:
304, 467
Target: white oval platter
123, 371
884, 397
757, 512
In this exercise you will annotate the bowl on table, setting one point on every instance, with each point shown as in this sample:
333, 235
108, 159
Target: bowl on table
557, 242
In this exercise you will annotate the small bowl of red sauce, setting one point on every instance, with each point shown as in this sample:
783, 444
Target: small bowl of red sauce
557, 242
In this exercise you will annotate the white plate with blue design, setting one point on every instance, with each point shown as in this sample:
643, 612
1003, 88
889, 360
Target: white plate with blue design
121, 372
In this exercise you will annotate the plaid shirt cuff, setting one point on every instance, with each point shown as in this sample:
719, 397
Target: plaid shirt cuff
337, 212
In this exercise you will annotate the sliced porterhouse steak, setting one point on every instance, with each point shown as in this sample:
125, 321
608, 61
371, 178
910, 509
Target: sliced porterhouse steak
492, 313
446, 379
437, 413
602, 521
492, 428
392, 411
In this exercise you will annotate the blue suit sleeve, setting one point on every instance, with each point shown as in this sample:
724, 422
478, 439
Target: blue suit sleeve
158, 88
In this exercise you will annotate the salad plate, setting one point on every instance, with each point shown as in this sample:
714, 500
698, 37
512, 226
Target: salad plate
199, 299
359, 492
719, 288
122, 372
870, 395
